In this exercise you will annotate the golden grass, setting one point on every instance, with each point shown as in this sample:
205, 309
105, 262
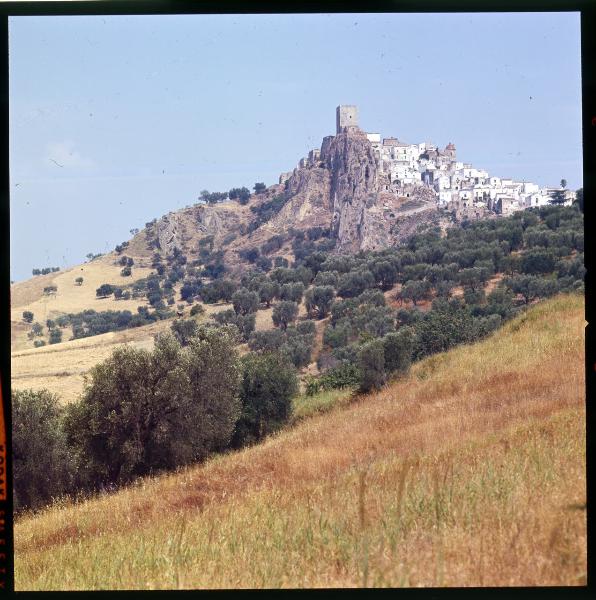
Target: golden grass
70, 297
468, 472
60, 368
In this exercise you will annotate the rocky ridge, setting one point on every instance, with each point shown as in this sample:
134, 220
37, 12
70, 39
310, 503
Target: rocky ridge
340, 191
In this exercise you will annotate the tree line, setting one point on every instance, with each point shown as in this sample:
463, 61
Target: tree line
144, 412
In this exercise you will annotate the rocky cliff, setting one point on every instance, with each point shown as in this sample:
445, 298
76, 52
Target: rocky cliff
354, 186
341, 191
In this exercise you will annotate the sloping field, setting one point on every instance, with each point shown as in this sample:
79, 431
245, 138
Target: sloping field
70, 297
60, 367
469, 472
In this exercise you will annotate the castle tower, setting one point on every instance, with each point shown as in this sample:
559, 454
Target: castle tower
346, 118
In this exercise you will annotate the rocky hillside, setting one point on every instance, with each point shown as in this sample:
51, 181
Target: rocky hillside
340, 192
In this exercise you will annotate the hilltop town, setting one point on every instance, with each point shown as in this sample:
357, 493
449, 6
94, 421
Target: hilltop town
459, 187
364, 191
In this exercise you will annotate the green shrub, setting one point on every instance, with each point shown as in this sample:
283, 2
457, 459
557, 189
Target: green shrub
55, 336
397, 350
371, 364
268, 384
346, 374
145, 411
42, 468
197, 309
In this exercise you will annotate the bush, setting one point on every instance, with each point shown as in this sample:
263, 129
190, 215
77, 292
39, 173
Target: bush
537, 261
250, 254
39, 343
371, 364
280, 261
298, 347
104, 290
37, 329
397, 350
189, 290
472, 297
126, 272
196, 309
41, 466
63, 321
28, 316
145, 411
184, 330
55, 336
305, 327
268, 384
338, 335
346, 374
264, 263
447, 325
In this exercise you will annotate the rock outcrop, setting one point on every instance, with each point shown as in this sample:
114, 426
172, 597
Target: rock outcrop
353, 167
340, 189
309, 202
167, 231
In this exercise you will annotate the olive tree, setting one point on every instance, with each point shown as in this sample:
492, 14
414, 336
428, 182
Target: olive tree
245, 302
284, 313
319, 300
268, 384
371, 365
143, 411
41, 466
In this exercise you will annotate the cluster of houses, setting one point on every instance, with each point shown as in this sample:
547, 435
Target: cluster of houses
458, 186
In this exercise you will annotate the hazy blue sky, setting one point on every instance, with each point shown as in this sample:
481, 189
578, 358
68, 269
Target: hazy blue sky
142, 113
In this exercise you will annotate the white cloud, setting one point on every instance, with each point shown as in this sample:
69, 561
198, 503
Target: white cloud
64, 155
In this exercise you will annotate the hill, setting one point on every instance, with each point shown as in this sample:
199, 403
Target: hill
467, 472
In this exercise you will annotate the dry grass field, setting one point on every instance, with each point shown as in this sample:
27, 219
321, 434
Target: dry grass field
60, 367
70, 297
470, 471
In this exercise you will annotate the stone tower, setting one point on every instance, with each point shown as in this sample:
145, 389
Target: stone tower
346, 118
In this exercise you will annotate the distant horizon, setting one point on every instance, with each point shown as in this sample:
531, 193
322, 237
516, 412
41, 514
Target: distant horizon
115, 121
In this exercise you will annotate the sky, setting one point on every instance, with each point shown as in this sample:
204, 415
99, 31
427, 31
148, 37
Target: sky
116, 120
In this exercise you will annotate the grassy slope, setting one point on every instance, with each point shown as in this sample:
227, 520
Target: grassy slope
468, 472
60, 367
